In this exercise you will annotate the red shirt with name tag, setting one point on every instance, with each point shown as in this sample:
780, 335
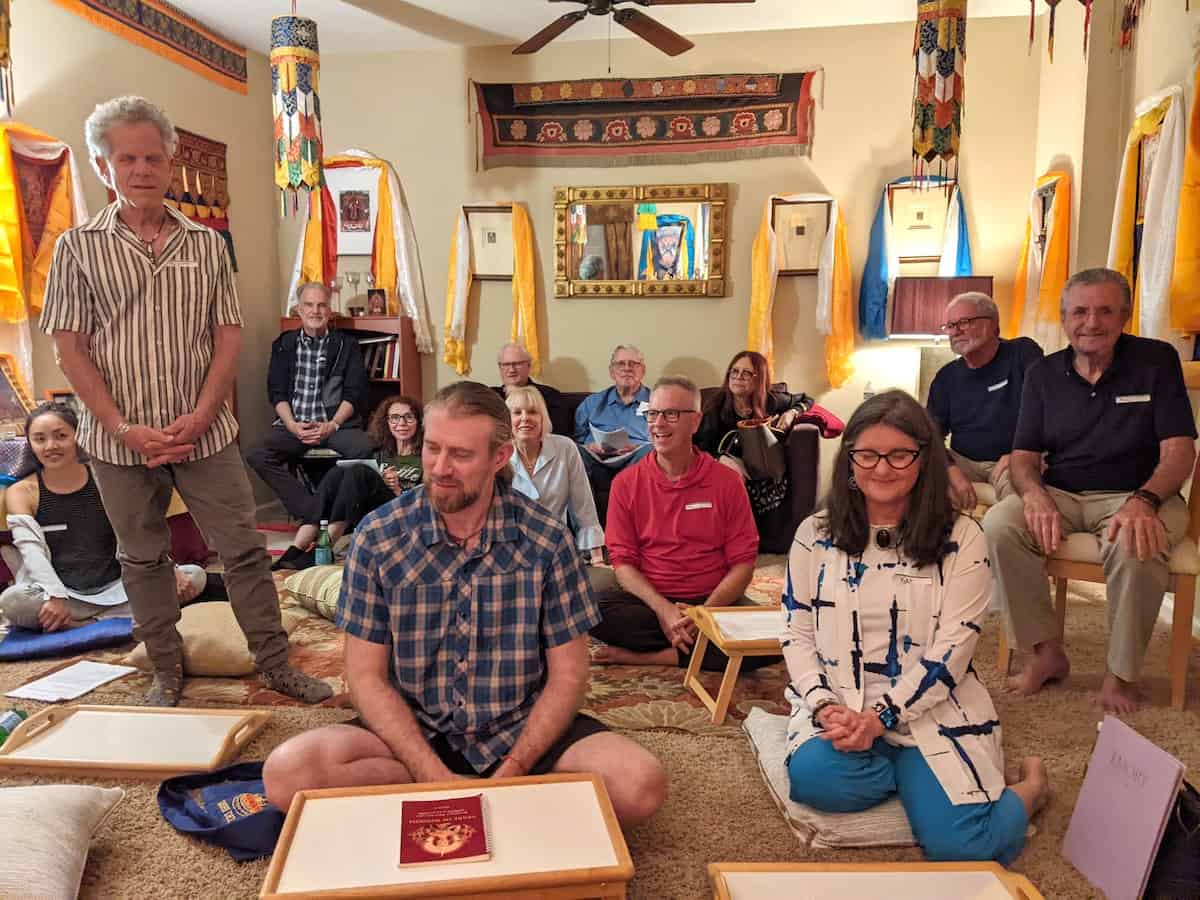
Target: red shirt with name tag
684, 535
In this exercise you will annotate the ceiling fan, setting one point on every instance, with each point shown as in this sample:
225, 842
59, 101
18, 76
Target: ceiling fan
669, 42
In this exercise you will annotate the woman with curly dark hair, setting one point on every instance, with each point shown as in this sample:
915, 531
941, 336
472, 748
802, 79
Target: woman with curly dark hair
354, 487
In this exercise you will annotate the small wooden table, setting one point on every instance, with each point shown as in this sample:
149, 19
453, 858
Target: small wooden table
553, 837
850, 881
746, 619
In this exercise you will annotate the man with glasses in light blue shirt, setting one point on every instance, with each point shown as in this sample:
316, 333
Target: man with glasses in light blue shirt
622, 406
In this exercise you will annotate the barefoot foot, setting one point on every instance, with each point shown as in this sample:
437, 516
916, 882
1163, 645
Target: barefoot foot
1120, 698
1046, 664
607, 655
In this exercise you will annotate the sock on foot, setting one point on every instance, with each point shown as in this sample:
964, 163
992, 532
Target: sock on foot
296, 684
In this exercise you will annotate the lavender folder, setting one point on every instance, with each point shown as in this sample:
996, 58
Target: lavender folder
1118, 822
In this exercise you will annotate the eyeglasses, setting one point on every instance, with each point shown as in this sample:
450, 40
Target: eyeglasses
670, 415
401, 419
961, 324
627, 364
738, 374
514, 365
897, 459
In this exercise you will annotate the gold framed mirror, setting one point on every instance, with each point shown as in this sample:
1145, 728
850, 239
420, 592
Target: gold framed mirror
651, 240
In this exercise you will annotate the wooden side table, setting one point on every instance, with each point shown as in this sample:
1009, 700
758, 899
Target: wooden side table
897, 881
741, 638
553, 837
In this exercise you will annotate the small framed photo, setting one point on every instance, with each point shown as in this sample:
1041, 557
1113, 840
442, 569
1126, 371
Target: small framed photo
800, 228
376, 302
490, 228
65, 396
919, 219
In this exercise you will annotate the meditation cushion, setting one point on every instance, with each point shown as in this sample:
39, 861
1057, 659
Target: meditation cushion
885, 825
44, 835
316, 589
213, 643
21, 643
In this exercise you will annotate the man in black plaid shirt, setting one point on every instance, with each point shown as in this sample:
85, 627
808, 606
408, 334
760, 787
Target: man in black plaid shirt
318, 386
466, 610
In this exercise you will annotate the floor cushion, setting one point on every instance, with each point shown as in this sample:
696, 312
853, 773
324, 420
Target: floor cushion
885, 825
213, 642
316, 589
44, 835
21, 643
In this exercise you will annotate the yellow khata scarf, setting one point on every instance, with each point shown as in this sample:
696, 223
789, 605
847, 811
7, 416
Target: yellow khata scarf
1185, 283
1154, 297
835, 306
458, 290
1042, 271
24, 267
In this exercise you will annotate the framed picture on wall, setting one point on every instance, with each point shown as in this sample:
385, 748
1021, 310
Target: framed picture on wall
490, 228
355, 194
65, 396
919, 219
800, 228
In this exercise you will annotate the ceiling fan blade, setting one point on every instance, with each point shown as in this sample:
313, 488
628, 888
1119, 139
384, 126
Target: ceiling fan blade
551, 31
687, 2
669, 42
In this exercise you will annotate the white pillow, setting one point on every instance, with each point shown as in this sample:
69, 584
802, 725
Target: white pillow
885, 825
213, 642
44, 835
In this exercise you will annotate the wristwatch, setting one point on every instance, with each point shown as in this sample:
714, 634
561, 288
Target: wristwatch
888, 712
1148, 497
817, 710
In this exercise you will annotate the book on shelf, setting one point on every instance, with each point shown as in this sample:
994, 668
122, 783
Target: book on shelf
376, 339
443, 831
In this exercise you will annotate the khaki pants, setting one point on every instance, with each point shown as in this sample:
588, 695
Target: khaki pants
982, 472
217, 493
1135, 588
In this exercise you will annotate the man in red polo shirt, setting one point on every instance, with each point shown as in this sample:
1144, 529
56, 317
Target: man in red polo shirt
680, 533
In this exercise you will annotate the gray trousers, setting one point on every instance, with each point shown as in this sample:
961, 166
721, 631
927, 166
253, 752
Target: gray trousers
982, 472
21, 603
1135, 588
217, 492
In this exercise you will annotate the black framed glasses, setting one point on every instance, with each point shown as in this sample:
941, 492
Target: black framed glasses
401, 419
668, 415
900, 458
961, 324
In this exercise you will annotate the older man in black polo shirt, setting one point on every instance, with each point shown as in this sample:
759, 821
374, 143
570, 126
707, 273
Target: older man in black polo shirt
1111, 413
975, 399
515, 364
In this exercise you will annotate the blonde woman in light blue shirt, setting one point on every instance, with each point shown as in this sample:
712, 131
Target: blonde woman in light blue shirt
547, 468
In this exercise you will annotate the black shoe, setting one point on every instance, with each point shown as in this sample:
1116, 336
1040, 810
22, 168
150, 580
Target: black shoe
294, 558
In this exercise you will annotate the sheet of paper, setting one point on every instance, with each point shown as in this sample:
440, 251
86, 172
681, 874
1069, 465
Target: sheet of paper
751, 626
610, 440
71, 682
369, 463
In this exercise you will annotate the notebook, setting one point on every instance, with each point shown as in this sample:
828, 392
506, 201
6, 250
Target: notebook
1127, 796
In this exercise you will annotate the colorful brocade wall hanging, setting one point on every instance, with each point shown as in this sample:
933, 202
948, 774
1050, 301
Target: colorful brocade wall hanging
162, 29
295, 82
940, 48
644, 121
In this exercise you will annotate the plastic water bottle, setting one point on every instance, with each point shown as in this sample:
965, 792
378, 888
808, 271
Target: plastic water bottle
9, 720
324, 552
868, 391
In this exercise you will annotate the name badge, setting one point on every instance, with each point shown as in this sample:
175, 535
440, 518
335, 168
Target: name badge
643, 405
182, 264
1133, 398
46, 529
704, 504
997, 385
918, 580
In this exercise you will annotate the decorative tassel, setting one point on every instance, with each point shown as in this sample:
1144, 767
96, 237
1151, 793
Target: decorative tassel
1053, 4
1032, 12
1087, 23
7, 100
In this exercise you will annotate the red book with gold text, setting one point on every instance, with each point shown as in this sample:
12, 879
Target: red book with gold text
441, 831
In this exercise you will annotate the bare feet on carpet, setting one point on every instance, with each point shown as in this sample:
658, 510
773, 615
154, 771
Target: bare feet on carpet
1047, 663
608, 655
1121, 698
1032, 785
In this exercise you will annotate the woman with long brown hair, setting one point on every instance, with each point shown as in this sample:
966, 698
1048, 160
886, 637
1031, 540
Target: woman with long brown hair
355, 487
884, 601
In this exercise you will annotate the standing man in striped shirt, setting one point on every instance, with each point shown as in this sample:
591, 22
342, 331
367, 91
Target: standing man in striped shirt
144, 313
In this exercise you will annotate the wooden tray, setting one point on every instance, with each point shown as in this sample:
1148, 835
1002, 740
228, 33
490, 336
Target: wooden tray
129, 741
849, 881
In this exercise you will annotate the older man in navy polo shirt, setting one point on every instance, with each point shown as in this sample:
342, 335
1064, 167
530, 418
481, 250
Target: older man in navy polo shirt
1111, 414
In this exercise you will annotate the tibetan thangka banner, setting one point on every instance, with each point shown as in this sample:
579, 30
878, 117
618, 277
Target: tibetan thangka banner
160, 28
644, 121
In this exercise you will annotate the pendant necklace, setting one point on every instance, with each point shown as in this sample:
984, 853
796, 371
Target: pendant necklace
150, 243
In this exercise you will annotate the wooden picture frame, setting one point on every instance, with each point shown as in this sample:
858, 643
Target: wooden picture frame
918, 212
16, 402
490, 228
800, 228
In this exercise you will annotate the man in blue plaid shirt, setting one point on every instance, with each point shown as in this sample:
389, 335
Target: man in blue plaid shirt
466, 610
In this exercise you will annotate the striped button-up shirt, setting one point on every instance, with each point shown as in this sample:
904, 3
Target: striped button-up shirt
150, 319
312, 354
468, 630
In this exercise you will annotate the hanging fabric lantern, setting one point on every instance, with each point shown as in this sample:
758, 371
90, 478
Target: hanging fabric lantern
295, 68
939, 46
6, 81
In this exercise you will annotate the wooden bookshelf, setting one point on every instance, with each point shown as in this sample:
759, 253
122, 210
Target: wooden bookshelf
409, 381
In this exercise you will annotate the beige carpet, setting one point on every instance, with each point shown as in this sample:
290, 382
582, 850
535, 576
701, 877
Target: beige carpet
718, 808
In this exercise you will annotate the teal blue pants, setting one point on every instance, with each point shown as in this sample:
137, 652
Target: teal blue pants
833, 781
